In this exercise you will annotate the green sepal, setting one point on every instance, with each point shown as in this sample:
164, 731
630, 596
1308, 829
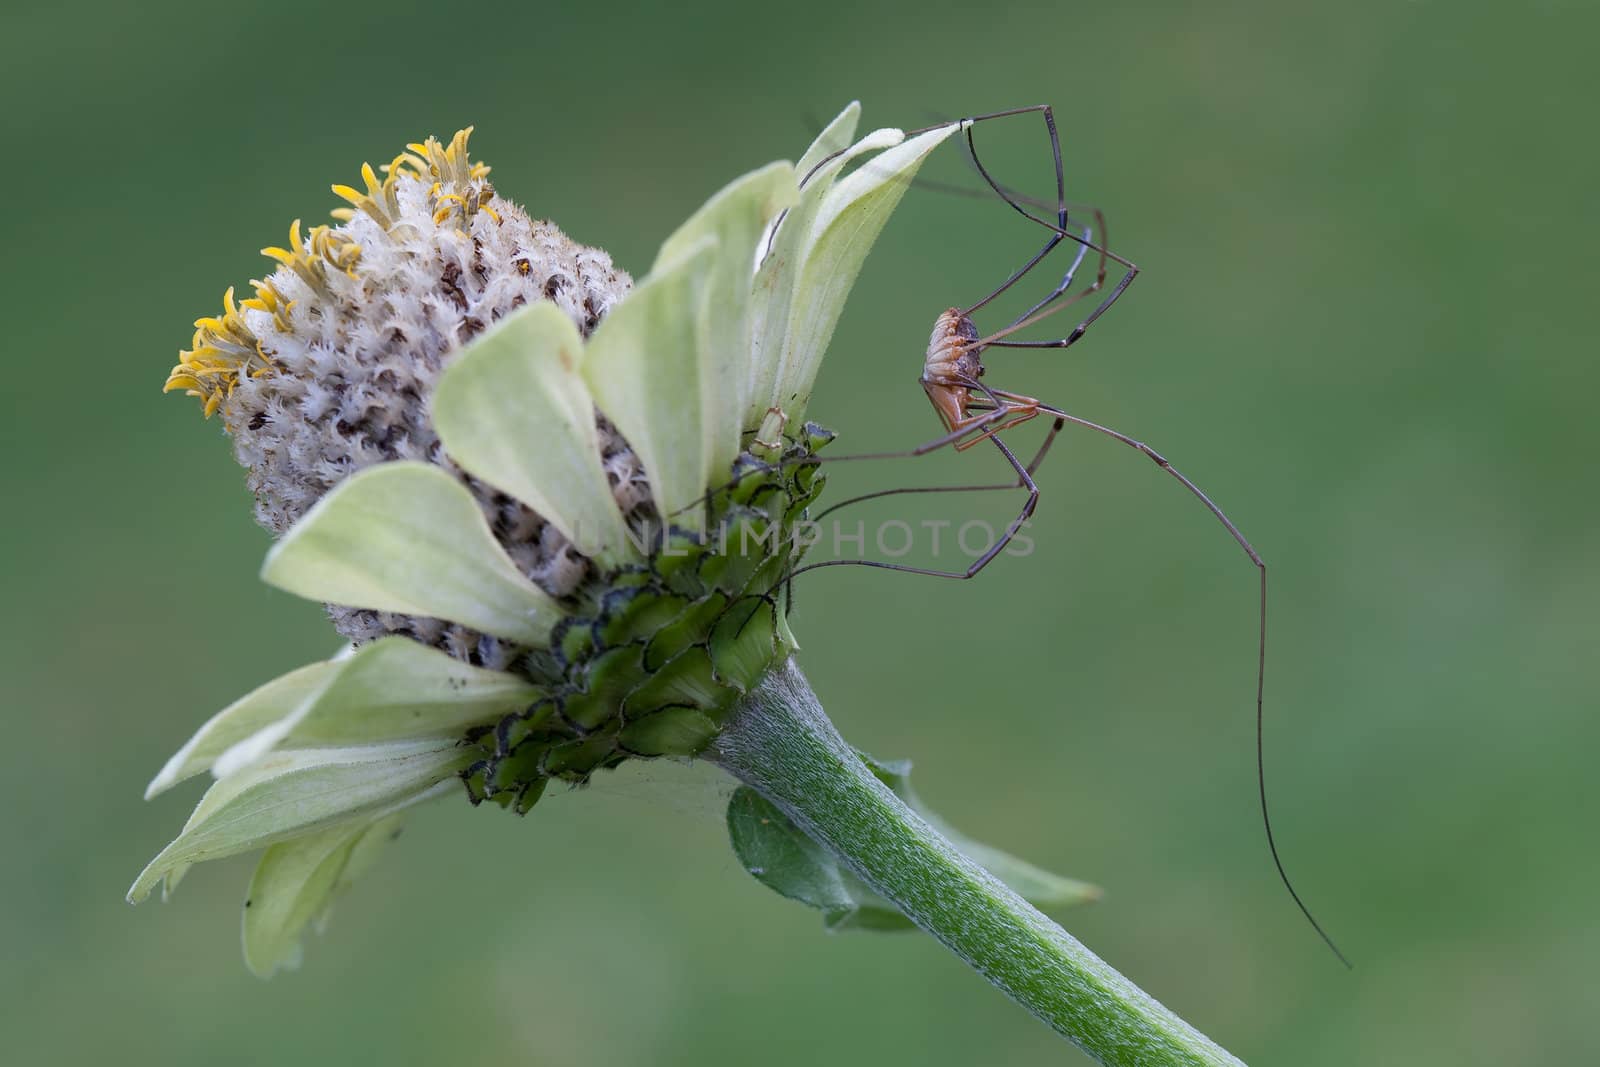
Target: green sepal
578, 759
685, 630
744, 641
814, 436
677, 560
746, 538
681, 635
753, 480
679, 731
511, 731
529, 795
686, 679
636, 614
573, 641
611, 675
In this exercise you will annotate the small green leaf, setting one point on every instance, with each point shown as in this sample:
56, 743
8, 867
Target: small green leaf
786, 860
408, 537
289, 793
295, 884
781, 857
645, 367
251, 713
512, 408
391, 689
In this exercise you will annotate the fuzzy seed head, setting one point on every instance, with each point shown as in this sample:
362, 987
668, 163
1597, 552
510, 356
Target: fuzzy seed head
330, 366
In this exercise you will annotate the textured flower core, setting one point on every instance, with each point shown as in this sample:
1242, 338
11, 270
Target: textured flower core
330, 366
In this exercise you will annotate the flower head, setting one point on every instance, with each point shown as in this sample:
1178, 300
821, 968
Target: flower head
330, 367
549, 510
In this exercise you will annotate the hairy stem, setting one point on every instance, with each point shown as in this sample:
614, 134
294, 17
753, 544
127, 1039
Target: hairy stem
780, 743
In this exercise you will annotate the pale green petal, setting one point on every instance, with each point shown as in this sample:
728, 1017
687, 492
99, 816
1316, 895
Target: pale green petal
737, 216
645, 366
773, 291
295, 885
835, 137
290, 793
513, 409
847, 222
392, 689
251, 713
407, 537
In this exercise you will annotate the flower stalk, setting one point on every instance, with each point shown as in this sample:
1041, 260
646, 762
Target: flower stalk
780, 742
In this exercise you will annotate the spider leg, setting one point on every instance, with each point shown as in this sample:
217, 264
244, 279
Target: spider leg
1059, 232
1261, 654
1024, 481
1089, 239
1000, 411
1016, 483
995, 340
976, 425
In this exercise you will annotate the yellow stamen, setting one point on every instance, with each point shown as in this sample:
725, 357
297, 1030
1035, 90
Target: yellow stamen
225, 350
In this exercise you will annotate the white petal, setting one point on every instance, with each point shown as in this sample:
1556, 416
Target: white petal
773, 292
645, 365
392, 689
295, 885
251, 713
513, 410
295, 792
736, 216
835, 137
407, 537
777, 265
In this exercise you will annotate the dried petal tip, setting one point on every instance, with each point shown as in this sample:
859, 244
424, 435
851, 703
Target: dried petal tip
223, 351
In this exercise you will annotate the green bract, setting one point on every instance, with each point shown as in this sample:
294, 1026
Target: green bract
674, 620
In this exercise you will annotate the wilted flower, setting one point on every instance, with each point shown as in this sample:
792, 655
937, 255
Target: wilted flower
549, 510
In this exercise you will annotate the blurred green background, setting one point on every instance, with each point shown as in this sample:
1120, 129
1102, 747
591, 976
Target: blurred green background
1365, 325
